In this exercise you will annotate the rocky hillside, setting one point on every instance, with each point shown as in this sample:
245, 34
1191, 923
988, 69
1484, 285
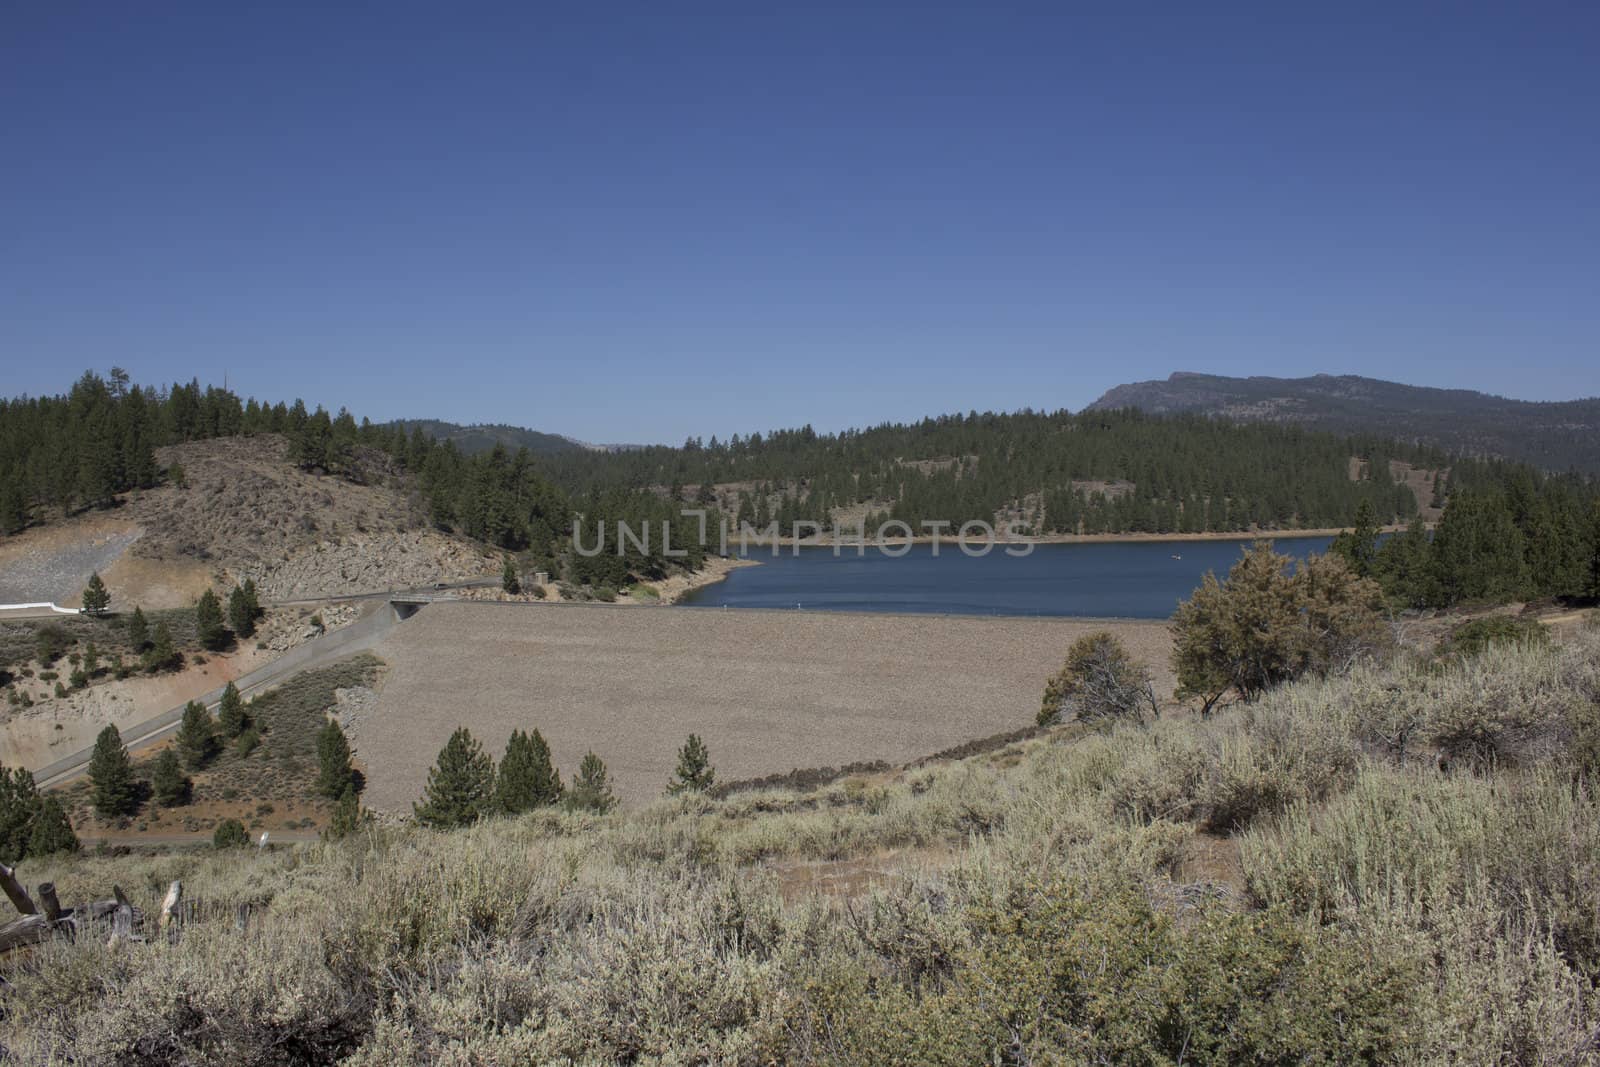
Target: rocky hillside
244, 507
1554, 436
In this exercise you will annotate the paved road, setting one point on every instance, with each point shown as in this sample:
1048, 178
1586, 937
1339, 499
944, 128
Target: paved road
360, 635
418, 593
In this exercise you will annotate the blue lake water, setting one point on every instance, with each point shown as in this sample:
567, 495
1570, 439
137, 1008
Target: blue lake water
1138, 580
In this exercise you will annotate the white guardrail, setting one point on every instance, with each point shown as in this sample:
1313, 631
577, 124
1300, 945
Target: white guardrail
41, 604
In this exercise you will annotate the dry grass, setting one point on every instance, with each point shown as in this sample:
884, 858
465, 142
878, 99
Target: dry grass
1059, 901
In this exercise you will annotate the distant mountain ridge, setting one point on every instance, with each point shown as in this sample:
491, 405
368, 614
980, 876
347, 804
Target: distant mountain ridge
1557, 436
482, 437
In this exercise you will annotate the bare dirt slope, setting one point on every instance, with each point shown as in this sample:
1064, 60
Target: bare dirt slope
768, 691
243, 511
246, 507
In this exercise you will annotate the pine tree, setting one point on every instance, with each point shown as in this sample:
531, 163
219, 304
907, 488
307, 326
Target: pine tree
111, 775
591, 787
138, 630
334, 773
168, 781
347, 816
460, 788
241, 613
1405, 569
508, 578
161, 655
695, 773
1359, 547
52, 831
231, 715
209, 628
1479, 553
527, 778
197, 740
19, 809
96, 599
13, 509
1593, 552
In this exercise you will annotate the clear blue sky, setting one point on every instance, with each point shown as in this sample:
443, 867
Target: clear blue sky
634, 225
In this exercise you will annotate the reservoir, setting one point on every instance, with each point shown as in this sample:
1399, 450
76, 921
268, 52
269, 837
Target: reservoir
1129, 580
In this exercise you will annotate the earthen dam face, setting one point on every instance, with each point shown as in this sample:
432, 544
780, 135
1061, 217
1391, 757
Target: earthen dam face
768, 691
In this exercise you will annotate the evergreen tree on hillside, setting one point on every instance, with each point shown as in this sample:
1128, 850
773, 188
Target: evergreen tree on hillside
527, 778
334, 772
1404, 567
13, 511
460, 788
591, 787
347, 816
1478, 551
694, 773
508, 577
1592, 584
241, 612
19, 809
231, 716
209, 628
197, 740
111, 776
1359, 547
96, 599
167, 781
52, 831
138, 630
162, 654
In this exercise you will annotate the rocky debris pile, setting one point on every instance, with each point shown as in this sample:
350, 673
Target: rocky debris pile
369, 563
283, 630
352, 705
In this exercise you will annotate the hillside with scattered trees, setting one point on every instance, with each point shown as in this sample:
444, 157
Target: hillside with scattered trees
1554, 436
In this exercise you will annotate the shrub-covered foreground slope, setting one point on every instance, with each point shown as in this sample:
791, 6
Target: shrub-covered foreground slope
1397, 865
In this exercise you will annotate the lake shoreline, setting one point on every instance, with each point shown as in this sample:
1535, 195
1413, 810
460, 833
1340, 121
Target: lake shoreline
1059, 539
715, 569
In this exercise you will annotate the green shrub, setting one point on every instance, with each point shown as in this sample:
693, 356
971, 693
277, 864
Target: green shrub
230, 833
1474, 637
1098, 681
1073, 973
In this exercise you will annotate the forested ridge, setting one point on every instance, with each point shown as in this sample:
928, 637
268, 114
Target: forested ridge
1105, 472
1095, 472
1554, 436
